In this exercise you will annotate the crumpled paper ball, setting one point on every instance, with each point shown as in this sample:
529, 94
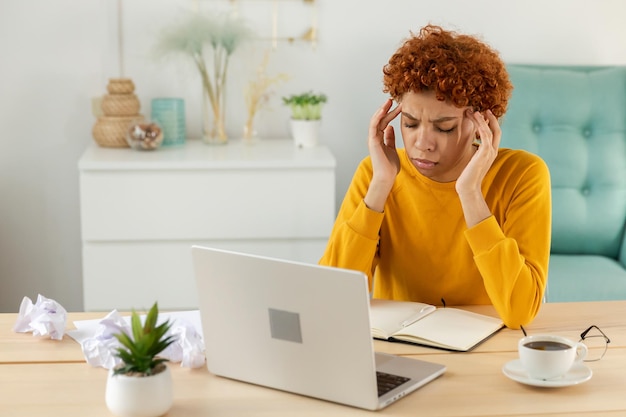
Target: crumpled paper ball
100, 349
45, 317
188, 348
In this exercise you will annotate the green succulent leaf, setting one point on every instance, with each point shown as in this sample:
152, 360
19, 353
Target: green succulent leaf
139, 352
135, 323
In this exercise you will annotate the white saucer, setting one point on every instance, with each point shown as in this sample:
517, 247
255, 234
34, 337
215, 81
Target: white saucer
577, 375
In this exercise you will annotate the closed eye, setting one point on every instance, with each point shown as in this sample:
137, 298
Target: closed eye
446, 130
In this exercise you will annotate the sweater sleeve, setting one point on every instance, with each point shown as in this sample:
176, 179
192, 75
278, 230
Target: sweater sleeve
512, 250
353, 241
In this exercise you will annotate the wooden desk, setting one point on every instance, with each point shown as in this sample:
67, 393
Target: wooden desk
472, 386
26, 348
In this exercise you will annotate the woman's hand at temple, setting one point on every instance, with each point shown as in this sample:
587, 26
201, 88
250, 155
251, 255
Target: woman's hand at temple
381, 143
468, 185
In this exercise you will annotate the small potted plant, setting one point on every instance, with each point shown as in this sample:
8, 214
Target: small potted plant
142, 384
306, 116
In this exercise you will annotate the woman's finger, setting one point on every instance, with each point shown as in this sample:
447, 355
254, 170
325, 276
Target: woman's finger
390, 116
381, 120
483, 130
494, 126
390, 137
375, 121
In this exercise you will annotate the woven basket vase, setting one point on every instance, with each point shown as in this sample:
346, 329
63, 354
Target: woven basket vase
110, 132
120, 104
120, 86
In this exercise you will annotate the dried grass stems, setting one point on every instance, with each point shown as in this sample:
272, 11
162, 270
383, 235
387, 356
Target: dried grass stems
204, 38
257, 91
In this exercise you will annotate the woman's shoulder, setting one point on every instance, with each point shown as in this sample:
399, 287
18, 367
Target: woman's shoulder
519, 159
365, 165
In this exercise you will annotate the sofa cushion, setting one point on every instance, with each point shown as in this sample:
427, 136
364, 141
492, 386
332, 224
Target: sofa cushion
585, 277
575, 119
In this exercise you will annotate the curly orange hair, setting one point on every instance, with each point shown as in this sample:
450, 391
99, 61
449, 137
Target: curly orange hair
459, 68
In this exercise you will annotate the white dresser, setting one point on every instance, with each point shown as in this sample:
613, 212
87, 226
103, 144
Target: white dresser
142, 211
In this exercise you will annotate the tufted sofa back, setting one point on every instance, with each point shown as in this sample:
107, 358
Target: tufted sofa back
575, 119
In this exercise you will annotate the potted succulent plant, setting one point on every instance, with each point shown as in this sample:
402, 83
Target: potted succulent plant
142, 384
306, 116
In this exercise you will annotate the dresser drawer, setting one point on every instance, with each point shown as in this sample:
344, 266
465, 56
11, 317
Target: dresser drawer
139, 205
127, 275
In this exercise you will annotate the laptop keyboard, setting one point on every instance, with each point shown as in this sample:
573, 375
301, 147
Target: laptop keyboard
387, 382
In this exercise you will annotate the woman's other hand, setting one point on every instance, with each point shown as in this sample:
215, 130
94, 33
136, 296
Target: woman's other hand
468, 185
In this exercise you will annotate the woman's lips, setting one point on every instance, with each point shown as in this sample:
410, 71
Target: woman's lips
423, 163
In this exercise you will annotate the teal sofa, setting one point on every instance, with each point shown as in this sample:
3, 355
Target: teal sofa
575, 119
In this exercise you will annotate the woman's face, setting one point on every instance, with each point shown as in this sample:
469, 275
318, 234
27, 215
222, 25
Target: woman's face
437, 136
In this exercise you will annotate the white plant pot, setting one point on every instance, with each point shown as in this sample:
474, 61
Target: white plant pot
135, 396
305, 133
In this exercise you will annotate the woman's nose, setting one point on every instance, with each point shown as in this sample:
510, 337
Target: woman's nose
423, 141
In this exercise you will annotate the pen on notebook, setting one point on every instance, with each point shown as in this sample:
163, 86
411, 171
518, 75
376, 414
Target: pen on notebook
415, 318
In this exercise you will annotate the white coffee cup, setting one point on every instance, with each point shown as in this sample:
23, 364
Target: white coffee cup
547, 356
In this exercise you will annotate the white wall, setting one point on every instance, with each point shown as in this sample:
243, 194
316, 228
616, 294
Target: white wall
55, 55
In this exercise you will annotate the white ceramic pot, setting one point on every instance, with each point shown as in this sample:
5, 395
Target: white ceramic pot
134, 396
305, 133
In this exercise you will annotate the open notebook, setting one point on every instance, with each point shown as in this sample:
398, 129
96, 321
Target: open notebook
424, 324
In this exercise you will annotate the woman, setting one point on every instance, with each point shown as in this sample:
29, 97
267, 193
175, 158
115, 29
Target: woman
451, 218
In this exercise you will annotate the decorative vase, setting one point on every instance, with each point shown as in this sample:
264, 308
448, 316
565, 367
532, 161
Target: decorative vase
305, 133
214, 119
139, 396
120, 104
169, 113
119, 107
110, 131
250, 135
120, 86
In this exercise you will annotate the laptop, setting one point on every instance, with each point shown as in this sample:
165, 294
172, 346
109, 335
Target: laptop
297, 327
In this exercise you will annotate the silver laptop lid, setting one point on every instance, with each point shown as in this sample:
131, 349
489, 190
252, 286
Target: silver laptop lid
291, 326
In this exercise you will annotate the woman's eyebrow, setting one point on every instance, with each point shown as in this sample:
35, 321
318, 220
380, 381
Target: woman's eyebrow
407, 115
443, 119
437, 120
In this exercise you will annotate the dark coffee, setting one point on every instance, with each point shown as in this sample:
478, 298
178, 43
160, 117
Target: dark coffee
547, 345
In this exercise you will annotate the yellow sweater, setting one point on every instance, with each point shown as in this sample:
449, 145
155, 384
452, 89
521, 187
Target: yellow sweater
420, 248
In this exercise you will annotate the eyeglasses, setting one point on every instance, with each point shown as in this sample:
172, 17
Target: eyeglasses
596, 341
